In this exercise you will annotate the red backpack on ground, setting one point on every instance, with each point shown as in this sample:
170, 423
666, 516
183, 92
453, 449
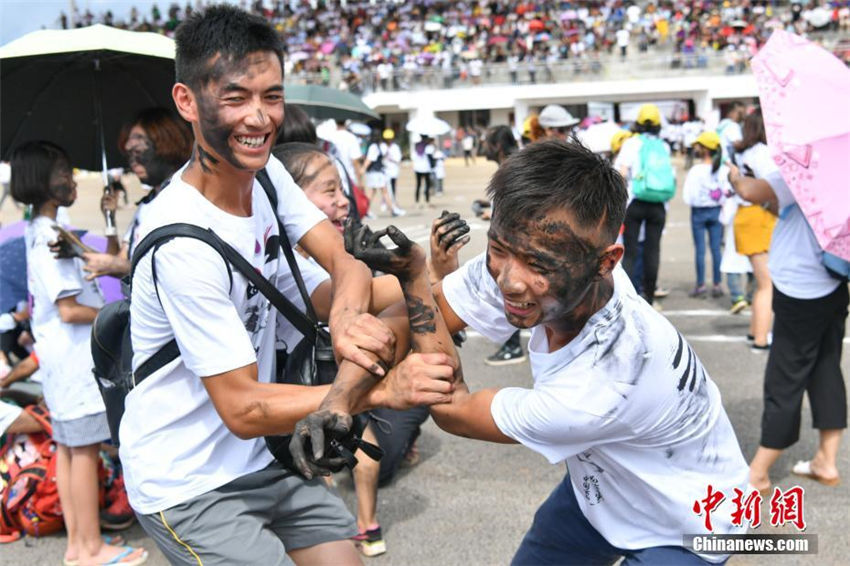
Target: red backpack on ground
29, 498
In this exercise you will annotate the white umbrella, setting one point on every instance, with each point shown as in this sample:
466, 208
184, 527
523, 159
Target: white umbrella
428, 126
359, 129
597, 137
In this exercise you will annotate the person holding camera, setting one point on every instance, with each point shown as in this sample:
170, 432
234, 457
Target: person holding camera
198, 474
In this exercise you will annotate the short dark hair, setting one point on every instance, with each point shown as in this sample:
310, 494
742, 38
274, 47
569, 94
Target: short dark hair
553, 174
170, 135
502, 138
220, 30
32, 165
295, 157
648, 128
297, 126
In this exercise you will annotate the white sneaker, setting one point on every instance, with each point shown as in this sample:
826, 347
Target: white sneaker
398, 212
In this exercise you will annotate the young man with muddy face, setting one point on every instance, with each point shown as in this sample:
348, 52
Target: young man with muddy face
197, 470
618, 394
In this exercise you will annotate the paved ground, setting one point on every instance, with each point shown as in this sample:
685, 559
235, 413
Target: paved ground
468, 502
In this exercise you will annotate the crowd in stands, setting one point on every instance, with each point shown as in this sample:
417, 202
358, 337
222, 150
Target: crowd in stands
392, 44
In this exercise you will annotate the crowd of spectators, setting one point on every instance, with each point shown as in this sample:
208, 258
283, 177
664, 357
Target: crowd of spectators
387, 45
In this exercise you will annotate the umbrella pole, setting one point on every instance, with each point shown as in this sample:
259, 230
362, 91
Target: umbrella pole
98, 113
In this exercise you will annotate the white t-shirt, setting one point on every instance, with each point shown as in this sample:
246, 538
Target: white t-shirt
795, 263
5, 173
348, 148
623, 38
377, 151
730, 133
174, 445
421, 163
392, 161
64, 349
703, 188
629, 158
627, 404
287, 336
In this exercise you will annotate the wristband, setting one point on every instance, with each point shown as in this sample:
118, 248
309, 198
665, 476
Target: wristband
110, 231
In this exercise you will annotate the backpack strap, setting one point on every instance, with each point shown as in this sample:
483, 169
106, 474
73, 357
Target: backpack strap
310, 317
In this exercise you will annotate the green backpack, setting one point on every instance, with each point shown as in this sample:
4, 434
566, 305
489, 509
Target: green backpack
654, 180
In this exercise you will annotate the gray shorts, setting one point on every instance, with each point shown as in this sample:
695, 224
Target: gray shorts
84, 431
254, 519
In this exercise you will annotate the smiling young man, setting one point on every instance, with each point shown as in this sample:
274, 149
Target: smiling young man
197, 471
618, 394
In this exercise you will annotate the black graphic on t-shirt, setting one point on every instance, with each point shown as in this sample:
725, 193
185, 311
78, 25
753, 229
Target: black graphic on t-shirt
272, 248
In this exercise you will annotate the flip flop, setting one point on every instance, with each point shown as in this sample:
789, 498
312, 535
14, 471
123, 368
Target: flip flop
114, 540
803, 468
128, 550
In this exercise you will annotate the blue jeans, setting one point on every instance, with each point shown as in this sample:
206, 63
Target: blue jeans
560, 535
737, 289
707, 219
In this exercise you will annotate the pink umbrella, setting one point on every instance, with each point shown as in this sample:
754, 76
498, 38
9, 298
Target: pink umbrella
803, 90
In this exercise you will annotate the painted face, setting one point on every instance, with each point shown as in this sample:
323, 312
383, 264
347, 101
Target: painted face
143, 159
63, 187
323, 187
544, 268
241, 110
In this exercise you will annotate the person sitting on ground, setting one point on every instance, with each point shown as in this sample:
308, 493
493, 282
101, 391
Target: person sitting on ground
618, 393
156, 144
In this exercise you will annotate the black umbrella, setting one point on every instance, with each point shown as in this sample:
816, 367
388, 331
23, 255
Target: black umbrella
78, 87
322, 103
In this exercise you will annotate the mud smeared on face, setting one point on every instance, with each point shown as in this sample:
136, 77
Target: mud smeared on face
62, 187
141, 152
560, 268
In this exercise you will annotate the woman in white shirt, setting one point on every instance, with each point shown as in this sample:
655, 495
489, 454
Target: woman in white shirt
754, 227
423, 162
64, 307
705, 190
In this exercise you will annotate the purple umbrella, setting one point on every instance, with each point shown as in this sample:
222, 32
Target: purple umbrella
13, 260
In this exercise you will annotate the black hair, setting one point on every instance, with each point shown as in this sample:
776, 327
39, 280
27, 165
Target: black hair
501, 138
297, 126
734, 105
295, 156
553, 174
220, 30
32, 165
648, 128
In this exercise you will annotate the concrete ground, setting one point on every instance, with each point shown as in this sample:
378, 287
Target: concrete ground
469, 503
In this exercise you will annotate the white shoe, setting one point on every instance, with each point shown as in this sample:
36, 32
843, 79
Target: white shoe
383, 207
398, 212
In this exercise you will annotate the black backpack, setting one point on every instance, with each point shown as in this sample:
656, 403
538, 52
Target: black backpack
377, 166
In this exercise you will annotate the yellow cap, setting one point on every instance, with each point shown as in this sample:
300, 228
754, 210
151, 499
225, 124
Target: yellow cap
618, 139
389, 134
709, 140
649, 114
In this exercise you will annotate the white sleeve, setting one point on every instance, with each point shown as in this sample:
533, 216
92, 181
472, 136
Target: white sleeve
781, 190
372, 153
540, 419
353, 150
298, 214
628, 153
194, 290
760, 162
690, 189
61, 277
474, 296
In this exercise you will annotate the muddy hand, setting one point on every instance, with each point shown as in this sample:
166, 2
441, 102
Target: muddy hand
308, 445
406, 261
